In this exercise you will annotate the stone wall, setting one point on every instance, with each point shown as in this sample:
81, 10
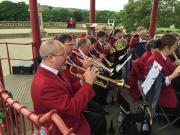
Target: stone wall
26, 24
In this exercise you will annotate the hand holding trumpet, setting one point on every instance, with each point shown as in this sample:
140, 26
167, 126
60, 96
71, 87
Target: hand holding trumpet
90, 76
87, 62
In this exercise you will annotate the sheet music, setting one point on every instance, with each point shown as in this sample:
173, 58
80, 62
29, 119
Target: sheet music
151, 77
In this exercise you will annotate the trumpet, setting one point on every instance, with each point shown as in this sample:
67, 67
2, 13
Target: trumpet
111, 49
98, 64
177, 60
110, 64
119, 83
94, 57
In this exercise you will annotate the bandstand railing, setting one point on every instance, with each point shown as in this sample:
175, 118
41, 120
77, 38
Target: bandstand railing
17, 118
8, 58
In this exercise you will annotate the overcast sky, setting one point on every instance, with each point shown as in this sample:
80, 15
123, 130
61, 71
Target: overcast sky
113, 5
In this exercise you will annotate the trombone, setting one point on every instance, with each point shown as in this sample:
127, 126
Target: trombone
110, 64
96, 63
119, 83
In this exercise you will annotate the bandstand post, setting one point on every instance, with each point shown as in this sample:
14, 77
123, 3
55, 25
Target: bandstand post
153, 19
35, 26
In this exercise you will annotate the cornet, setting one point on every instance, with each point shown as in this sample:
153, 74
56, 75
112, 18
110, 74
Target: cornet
110, 64
119, 83
98, 64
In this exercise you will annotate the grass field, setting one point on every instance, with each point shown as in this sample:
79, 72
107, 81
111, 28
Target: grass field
164, 30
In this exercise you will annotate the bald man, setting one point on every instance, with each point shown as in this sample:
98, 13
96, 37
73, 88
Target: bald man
51, 89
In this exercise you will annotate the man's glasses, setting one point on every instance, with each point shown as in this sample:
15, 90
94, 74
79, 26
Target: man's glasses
54, 55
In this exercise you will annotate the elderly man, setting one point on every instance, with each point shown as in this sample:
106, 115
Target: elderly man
51, 89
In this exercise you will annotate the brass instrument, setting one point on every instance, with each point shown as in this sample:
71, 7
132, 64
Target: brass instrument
112, 50
97, 64
119, 83
120, 44
177, 61
94, 57
110, 64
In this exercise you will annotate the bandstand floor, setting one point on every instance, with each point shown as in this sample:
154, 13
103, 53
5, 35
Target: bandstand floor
19, 86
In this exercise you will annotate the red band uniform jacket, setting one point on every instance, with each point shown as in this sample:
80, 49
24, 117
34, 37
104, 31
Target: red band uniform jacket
167, 97
50, 92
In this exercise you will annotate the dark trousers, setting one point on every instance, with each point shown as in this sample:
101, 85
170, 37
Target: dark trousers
96, 118
97, 122
101, 94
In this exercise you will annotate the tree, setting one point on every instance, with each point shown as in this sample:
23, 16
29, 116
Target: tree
78, 15
13, 11
103, 16
60, 15
136, 13
166, 13
177, 15
8, 11
47, 14
22, 12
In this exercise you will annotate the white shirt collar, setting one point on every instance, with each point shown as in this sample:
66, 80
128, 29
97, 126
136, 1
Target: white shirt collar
81, 52
140, 39
100, 43
163, 56
54, 71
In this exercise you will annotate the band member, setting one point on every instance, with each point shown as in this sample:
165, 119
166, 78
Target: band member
52, 90
117, 35
66, 39
104, 29
138, 69
92, 50
69, 45
84, 46
118, 43
167, 44
100, 46
93, 43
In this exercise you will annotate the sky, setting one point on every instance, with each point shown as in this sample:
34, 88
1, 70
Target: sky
112, 5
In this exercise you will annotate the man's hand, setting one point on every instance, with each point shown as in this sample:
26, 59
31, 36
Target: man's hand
107, 46
87, 62
102, 56
90, 76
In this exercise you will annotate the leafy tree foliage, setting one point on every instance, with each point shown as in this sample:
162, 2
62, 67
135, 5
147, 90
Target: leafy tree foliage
103, 16
22, 11
78, 15
137, 13
177, 14
10, 11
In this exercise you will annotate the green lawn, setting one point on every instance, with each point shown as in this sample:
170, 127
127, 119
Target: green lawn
165, 30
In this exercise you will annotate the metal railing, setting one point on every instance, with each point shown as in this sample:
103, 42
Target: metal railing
18, 118
8, 53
